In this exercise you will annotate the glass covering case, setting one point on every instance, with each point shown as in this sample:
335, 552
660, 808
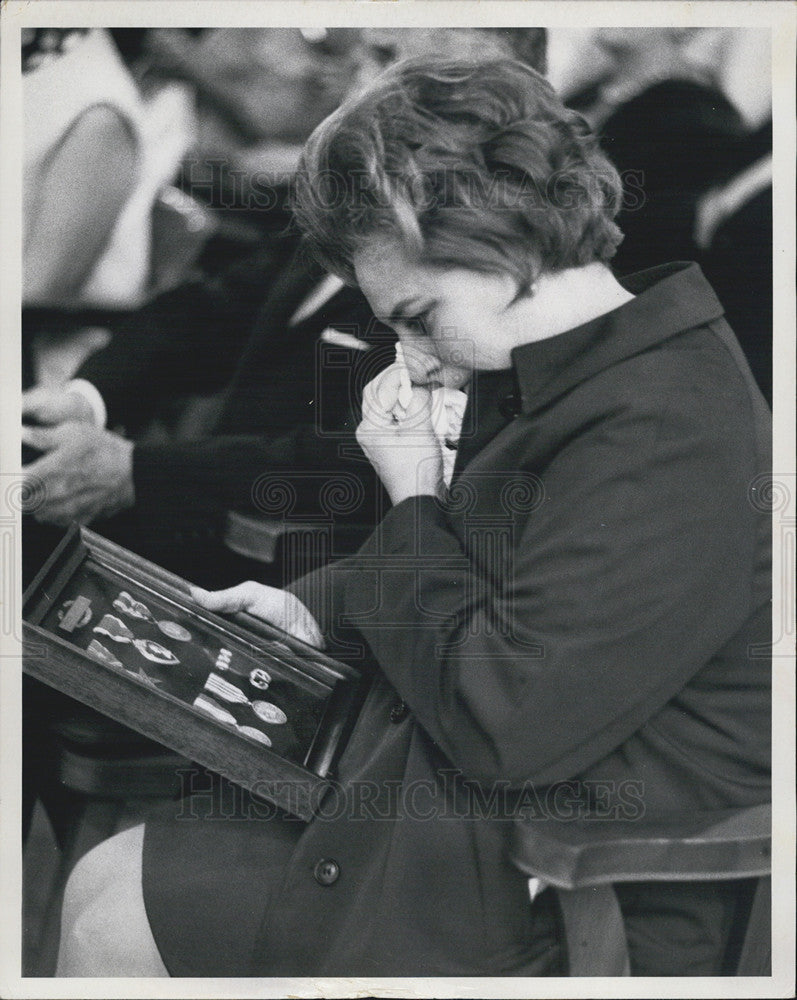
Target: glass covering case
236, 695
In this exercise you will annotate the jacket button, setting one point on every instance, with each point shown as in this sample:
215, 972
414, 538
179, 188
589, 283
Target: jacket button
399, 712
326, 872
510, 406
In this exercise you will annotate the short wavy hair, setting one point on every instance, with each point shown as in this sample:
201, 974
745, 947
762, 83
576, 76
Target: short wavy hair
475, 165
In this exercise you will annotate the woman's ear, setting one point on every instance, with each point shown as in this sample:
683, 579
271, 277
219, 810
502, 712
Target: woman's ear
527, 282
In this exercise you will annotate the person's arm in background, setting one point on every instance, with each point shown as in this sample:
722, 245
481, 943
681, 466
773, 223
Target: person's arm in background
187, 487
187, 341
183, 489
85, 185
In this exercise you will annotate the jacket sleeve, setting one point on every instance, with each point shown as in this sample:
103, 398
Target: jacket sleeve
293, 476
186, 341
633, 571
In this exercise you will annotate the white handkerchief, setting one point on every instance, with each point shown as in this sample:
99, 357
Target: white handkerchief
405, 388
448, 411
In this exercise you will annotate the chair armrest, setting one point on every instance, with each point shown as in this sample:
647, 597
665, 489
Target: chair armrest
257, 537
181, 226
723, 844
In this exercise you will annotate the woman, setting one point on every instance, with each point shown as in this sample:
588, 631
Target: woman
572, 614
79, 99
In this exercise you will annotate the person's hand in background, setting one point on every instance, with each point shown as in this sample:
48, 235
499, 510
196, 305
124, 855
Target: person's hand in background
51, 406
84, 472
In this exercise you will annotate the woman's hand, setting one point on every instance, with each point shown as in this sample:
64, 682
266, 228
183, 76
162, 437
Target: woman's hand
277, 607
400, 443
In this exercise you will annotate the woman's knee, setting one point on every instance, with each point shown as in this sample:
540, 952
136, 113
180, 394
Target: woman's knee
104, 927
101, 867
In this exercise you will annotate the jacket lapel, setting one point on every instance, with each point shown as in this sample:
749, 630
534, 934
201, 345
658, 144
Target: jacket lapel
492, 405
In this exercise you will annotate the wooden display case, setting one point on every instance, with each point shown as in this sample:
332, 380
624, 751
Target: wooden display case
234, 694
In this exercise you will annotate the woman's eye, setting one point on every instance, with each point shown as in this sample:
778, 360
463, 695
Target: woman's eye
417, 324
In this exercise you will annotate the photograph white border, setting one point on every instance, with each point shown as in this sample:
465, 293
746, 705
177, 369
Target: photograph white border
781, 17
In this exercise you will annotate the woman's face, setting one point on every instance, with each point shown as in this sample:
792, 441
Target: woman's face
450, 322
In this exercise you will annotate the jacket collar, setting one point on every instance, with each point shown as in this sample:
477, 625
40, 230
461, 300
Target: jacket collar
669, 299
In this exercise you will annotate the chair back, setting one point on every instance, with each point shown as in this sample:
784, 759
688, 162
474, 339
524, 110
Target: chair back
583, 860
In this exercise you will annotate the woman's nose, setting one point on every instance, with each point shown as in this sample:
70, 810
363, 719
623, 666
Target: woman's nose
420, 360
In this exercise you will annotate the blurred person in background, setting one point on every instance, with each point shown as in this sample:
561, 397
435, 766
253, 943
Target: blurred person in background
81, 162
97, 153
733, 229
258, 93
257, 85
667, 127
384, 46
685, 116
95, 156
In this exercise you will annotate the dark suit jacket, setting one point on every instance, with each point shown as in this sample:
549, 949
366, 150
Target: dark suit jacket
287, 424
671, 143
573, 632
738, 263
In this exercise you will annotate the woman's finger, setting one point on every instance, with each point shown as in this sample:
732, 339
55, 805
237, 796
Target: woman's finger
37, 404
229, 601
380, 396
269, 604
40, 438
420, 405
300, 623
53, 407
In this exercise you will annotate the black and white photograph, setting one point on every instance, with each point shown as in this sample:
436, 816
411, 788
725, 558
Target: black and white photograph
397, 581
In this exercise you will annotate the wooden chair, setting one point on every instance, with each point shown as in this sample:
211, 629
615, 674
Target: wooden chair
583, 860
108, 777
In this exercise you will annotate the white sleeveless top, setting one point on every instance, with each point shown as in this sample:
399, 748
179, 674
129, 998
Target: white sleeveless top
55, 95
